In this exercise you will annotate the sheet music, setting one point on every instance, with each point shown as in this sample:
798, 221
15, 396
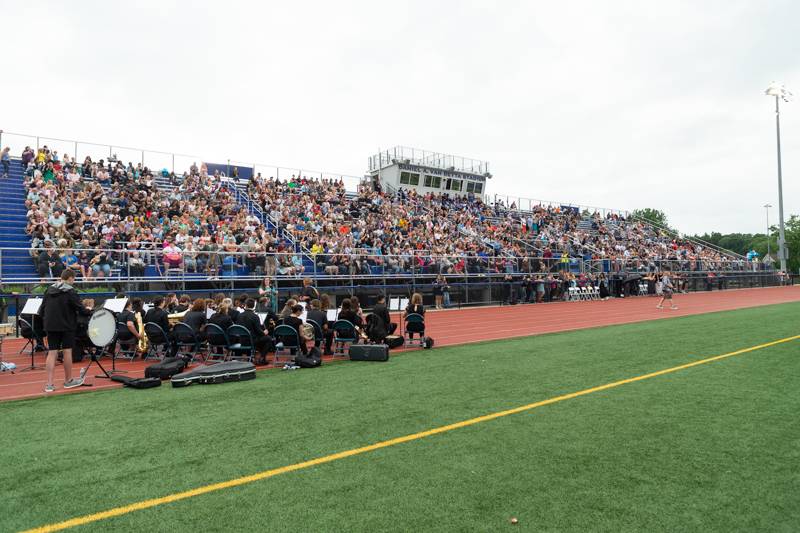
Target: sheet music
394, 304
209, 313
332, 314
304, 316
147, 307
262, 317
116, 305
403, 304
302, 304
32, 306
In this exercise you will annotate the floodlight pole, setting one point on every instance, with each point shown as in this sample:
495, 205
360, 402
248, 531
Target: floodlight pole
781, 234
767, 206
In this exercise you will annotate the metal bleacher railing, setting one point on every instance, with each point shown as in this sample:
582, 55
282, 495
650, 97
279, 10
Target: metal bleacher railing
155, 159
526, 205
149, 262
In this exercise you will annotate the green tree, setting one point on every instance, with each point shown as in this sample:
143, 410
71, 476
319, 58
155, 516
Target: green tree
792, 243
659, 218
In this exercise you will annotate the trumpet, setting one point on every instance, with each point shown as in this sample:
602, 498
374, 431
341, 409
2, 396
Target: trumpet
174, 318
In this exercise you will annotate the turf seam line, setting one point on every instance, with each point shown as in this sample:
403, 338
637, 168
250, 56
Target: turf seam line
244, 480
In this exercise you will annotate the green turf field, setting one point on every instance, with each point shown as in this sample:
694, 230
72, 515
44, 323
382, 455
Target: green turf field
711, 448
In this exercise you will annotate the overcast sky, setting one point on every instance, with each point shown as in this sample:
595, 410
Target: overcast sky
616, 104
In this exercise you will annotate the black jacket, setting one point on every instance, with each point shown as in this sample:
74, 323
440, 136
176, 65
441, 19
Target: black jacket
318, 316
251, 321
383, 313
158, 316
294, 322
61, 307
195, 320
309, 293
418, 309
222, 320
351, 317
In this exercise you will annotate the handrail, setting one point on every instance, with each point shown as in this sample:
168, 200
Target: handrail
542, 203
684, 237
253, 165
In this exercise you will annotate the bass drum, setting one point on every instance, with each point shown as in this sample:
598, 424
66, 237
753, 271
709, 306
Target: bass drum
102, 328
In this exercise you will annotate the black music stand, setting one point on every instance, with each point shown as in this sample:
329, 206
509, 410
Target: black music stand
32, 306
34, 344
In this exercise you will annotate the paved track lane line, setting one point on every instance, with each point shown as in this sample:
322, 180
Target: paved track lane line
146, 504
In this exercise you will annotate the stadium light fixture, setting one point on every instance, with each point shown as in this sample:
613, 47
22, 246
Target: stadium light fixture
779, 92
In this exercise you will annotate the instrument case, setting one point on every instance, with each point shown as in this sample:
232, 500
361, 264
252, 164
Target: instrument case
216, 373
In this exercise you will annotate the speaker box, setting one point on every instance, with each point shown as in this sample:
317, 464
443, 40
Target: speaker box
369, 352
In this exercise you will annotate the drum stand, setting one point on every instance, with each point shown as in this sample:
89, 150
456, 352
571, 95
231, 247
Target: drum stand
95, 358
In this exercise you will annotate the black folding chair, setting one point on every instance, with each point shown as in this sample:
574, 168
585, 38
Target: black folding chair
319, 335
186, 341
415, 323
159, 344
126, 342
290, 339
240, 343
218, 343
345, 334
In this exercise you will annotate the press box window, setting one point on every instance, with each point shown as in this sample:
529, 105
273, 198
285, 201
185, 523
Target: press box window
408, 178
453, 185
474, 187
433, 181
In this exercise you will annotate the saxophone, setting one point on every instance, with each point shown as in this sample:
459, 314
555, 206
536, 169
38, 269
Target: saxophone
142, 337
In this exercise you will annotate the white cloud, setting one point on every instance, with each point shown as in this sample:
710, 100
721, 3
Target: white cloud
623, 104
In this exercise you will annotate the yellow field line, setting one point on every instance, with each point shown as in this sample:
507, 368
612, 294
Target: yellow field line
146, 504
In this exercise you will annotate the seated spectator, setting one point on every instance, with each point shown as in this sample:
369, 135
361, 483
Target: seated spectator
49, 263
173, 258
100, 263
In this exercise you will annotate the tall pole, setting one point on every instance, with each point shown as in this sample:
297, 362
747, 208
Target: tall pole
781, 234
767, 206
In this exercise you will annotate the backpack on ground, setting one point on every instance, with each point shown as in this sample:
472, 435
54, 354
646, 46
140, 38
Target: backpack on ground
312, 360
394, 341
427, 343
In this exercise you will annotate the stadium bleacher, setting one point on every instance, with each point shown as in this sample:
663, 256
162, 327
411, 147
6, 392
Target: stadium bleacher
155, 223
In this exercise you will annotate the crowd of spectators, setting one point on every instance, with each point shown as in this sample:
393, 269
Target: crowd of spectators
195, 222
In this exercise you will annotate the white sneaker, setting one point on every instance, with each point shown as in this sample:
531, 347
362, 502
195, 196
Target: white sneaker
74, 382
659, 307
49, 388
674, 307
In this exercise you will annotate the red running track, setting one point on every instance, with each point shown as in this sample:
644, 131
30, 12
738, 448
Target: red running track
459, 326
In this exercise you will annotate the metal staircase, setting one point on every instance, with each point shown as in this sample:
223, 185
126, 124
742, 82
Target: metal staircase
14, 264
